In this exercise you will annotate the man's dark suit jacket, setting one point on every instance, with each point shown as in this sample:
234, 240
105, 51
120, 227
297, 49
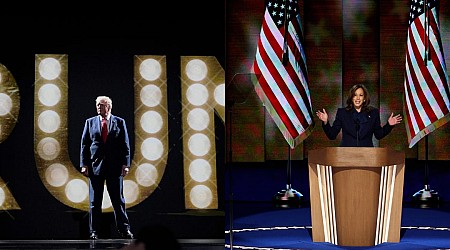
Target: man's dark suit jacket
109, 157
349, 120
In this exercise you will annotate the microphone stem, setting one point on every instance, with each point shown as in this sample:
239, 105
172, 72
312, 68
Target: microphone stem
357, 133
357, 138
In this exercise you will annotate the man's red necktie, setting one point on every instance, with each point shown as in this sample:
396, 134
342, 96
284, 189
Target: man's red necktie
104, 129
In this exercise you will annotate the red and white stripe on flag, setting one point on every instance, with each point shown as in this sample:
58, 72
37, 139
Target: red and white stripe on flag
426, 95
283, 88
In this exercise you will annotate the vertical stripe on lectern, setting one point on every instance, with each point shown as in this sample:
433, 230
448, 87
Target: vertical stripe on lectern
392, 173
387, 187
333, 230
381, 197
326, 229
326, 192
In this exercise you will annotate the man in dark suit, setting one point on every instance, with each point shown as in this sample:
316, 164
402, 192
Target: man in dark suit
105, 157
358, 121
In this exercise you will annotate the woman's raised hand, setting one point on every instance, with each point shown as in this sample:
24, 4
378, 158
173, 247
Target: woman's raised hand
323, 116
393, 120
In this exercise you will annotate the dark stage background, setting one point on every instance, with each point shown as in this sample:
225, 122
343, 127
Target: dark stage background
101, 49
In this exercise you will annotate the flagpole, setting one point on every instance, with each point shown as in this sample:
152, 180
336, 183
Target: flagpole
230, 164
285, 56
288, 197
426, 33
426, 197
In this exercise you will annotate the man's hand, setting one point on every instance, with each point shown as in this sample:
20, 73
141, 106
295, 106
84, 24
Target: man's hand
125, 170
85, 171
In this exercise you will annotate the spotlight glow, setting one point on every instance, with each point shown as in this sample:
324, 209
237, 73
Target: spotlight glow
49, 68
2, 196
151, 95
196, 70
49, 121
49, 94
146, 174
77, 190
130, 191
201, 196
200, 170
219, 94
197, 94
56, 175
5, 104
9, 112
151, 122
198, 119
152, 149
199, 144
150, 69
48, 148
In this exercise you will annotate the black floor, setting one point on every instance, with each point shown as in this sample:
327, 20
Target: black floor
189, 244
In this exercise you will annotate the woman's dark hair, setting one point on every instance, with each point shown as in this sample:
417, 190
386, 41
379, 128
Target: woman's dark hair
365, 106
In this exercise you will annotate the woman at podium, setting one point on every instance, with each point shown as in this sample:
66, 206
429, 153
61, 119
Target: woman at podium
358, 121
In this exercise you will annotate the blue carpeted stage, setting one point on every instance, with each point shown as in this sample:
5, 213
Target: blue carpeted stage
290, 228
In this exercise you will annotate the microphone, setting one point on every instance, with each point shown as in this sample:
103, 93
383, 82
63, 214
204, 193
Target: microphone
357, 131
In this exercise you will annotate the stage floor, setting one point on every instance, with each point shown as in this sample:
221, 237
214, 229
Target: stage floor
264, 226
191, 244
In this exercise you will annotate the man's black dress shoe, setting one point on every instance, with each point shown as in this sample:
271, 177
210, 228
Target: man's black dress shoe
93, 236
126, 234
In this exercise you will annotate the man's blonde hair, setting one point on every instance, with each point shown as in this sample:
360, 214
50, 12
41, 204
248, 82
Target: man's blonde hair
104, 98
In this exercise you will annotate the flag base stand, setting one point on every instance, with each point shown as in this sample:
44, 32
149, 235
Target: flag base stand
288, 198
426, 198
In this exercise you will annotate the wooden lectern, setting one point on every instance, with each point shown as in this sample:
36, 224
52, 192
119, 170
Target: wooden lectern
356, 195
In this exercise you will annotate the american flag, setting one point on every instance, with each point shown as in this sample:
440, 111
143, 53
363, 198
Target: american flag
281, 72
426, 95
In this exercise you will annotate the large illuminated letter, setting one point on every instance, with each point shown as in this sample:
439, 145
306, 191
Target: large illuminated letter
151, 124
57, 172
9, 112
203, 92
